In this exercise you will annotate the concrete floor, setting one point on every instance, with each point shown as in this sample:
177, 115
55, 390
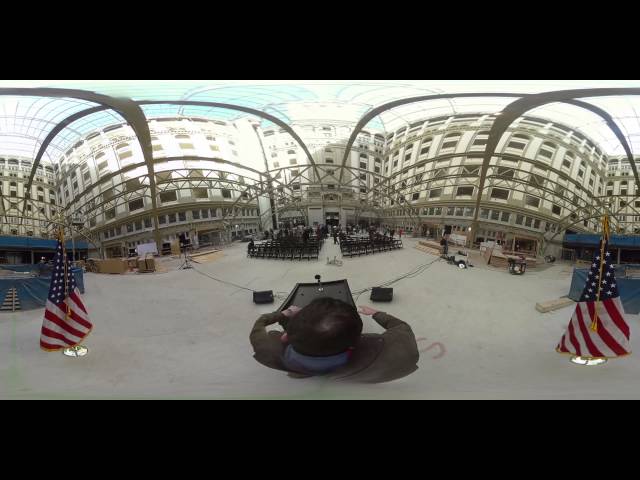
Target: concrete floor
181, 334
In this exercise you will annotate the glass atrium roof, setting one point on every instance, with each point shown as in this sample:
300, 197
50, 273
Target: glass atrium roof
25, 121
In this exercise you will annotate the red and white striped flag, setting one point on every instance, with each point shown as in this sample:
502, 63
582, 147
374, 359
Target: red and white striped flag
598, 328
66, 321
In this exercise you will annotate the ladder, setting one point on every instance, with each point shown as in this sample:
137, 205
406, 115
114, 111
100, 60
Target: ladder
11, 301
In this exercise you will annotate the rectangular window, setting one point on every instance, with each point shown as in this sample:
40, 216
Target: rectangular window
469, 211
516, 145
435, 193
450, 211
415, 196
519, 219
545, 153
129, 227
449, 144
556, 210
182, 216
162, 219
505, 217
147, 222
195, 214
499, 193
136, 204
484, 213
531, 201
495, 215
226, 193
459, 211
125, 154
103, 165
163, 177
536, 224
170, 196
528, 221
464, 191
172, 218
205, 213
132, 184
110, 214
200, 193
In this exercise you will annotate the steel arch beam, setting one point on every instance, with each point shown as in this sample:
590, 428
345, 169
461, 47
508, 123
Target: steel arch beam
127, 108
516, 109
51, 135
405, 101
67, 121
240, 108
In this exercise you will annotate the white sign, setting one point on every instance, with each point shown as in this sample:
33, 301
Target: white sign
145, 248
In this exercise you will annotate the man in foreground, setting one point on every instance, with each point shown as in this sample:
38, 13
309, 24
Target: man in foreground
325, 338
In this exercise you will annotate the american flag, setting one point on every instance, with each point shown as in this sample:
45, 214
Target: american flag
598, 328
66, 321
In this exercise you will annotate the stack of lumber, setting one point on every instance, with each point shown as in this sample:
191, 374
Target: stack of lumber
428, 246
553, 304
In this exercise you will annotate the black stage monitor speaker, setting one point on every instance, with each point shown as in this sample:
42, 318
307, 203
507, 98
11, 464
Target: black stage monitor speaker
379, 294
447, 229
265, 296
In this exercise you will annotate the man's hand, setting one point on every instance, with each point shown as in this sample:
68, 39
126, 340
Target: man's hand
291, 311
367, 310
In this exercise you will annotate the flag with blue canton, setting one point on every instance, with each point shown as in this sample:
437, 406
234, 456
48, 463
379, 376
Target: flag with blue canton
598, 328
66, 321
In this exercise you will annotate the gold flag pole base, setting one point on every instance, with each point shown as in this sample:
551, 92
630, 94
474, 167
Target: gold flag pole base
588, 361
77, 351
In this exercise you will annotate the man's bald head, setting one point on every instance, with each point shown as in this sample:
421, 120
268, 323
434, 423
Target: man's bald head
324, 327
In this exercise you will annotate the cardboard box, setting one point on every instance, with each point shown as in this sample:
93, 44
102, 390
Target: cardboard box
175, 247
147, 265
112, 265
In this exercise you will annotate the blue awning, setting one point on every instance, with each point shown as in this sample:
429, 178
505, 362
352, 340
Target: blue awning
32, 243
615, 241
